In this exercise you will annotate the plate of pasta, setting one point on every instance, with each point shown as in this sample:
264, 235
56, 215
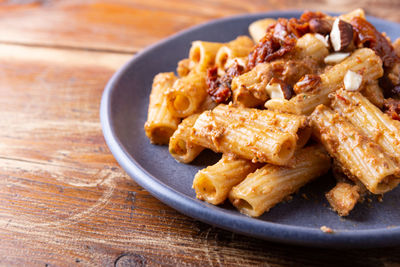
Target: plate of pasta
283, 126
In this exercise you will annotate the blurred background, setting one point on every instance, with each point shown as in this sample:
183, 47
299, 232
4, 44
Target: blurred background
129, 25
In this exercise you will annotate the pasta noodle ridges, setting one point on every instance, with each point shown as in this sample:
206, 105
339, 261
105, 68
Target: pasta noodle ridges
267, 155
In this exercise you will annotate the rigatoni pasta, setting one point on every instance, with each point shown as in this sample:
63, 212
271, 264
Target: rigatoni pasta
202, 54
363, 61
332, 80
271, 184
213, 183
355, 13
260, 136
161, 123
258, 28
240, 47
311, 47
373, 92
357, 154
249, 89
370, 121
184, 67
180, 145
186, 95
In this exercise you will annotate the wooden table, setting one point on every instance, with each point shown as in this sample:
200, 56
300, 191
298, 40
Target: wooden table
63, 198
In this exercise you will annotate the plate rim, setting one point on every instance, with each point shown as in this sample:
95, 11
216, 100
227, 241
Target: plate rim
289, 234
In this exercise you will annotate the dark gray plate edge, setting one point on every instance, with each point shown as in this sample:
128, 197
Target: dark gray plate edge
225, 220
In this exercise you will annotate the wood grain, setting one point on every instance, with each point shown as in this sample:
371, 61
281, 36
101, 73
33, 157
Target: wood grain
64, 200
130, 25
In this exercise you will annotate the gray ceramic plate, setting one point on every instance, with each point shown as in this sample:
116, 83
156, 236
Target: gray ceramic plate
123, 114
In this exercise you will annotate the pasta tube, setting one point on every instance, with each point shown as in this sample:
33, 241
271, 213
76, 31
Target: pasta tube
241, 61
357, 155
396, 46
161, 123
258, 28
208, 104
303, 135
370, 120
249, 89
269, 185
373, 93
363, 61
340, 176
180, 146
240, 47
282, 105
257, 135
213, 183
183, 68
348, 17
310, 47
187, 94
202, 54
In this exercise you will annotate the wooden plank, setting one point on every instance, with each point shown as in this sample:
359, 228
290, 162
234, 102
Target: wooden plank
130, 25
65, 201
63, 198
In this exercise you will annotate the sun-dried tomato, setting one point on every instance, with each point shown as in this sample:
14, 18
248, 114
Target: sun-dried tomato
298, 27
368, 36
235, 70
309, 15
219, 88
270, 49
276, 43
281, 38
